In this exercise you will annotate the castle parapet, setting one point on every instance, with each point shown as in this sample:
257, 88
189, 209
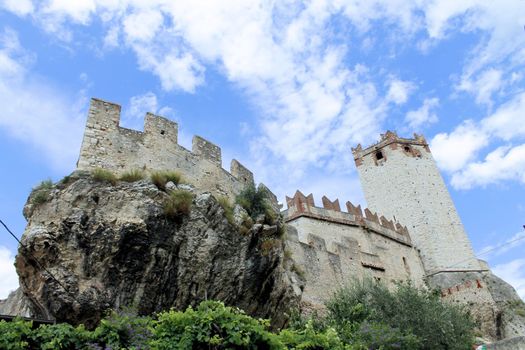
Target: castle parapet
394, 142
108, 145
206, 150
303, 206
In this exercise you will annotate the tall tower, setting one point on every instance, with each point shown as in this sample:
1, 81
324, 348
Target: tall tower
400, 180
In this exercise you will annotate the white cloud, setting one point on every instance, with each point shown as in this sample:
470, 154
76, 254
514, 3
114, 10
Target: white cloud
19, 7
504, 163
34, 113
486, 84
289, 61
508, 121
514, 273
399, 90
452, 151
424, 115
456, 152
8, 274
133, 114
141, 104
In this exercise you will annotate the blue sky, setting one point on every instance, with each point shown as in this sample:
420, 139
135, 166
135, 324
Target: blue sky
286, 87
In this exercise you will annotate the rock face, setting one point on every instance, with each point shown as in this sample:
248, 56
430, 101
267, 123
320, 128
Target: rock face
113, 245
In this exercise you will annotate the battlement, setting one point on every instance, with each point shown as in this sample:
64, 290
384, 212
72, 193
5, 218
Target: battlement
108, 145
303, 206
393, 142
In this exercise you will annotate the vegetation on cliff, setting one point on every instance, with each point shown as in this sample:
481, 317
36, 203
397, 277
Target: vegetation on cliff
363, 316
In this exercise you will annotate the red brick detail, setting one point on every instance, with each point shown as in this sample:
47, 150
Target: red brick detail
300, 202
354, 210
358, 161
478, 284
371, 216
387, 223
328, 204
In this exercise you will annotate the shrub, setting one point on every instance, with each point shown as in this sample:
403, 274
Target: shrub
15, 335
309, 338
60, 337
104, 175
417, 312
255, 202
178, 204
228, 209
212, 325
41, 193
132, 176
122, 329
161, 178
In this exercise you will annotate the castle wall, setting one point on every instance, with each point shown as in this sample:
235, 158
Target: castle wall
109, 146
334, 248
403, 183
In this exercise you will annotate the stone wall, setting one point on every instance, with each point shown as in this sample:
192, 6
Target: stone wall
334, 247
400, 179
109, 146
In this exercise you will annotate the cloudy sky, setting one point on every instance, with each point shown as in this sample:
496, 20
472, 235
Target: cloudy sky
286, 87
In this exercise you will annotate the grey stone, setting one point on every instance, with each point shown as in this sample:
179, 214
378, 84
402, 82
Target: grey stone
112, 246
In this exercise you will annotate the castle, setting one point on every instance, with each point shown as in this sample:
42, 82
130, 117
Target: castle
410, 231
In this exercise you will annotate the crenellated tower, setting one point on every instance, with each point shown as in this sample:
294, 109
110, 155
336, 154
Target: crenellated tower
109, 146
401, 180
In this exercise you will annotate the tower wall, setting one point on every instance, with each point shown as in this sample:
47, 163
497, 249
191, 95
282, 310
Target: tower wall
107, 145
400, 179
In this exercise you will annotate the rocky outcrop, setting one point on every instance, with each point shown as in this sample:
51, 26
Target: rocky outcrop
493, 303
110, 246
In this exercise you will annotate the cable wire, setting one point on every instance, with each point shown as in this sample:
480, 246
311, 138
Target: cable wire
25, 250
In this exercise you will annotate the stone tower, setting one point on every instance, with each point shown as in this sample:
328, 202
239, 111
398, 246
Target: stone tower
400, 179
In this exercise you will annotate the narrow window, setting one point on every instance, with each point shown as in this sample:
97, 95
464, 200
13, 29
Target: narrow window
162, 132
407, 149
379, 155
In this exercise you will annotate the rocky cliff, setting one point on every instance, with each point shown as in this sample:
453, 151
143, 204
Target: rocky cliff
114, 245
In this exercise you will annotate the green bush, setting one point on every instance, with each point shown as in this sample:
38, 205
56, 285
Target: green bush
417, 312
212, 326
103, 175
41, 193
15, 335
60, 337
132, 176
228, 209
255, 202
161, 178
178, 204
122, 329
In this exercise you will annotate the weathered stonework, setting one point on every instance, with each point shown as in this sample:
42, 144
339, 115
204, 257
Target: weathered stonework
334, 247
109, 146
400, 180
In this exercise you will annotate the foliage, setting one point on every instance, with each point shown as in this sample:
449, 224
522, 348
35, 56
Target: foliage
104, 175
60, 337
357, 319
123, 329
255, 202
161, 178
178, 204
212, 326
41, 193
228, 209
417, 312
132, 176
15, 335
